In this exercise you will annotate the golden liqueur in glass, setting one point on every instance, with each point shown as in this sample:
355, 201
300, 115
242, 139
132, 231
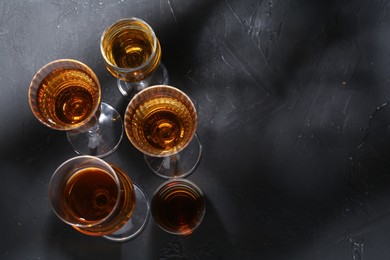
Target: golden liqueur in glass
130, 48
132, 53
161, 121
72, 96
65, 95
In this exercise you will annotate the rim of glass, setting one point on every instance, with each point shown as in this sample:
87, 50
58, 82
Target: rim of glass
33, 102
136, 96
195, 187
76, 169
130, 19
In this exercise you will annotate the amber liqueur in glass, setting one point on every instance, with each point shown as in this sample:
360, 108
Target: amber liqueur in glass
66, 96
164, 125
161, 125
178, 208
92, 197
129, 48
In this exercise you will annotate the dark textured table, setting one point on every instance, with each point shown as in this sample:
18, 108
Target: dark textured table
292, 98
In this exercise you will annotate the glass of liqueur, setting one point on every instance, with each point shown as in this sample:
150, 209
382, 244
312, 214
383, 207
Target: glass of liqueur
160, 121
98, 199
65, 95
178, 206
132, 54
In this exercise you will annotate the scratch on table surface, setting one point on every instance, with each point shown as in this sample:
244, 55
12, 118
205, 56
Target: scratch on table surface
364, 228
173, 13
188, 75
245, 65
227, 63
234, 13
347, 104
269, 111
218, 93
312, 99
254, 33
262, 54
252, 20
373, 115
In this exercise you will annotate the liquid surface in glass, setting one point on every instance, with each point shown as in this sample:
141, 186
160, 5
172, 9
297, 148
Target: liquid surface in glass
67, 96
129, 48
163, 124
178, 209
90, 195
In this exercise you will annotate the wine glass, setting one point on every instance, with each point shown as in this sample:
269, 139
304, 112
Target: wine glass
65, 95
132, 54
98, 199
178, 206
160, 121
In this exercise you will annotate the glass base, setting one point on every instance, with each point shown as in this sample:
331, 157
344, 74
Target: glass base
129, 89
103, 138
137, 221
179, 165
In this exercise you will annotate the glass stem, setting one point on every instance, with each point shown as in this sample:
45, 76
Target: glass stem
94, 135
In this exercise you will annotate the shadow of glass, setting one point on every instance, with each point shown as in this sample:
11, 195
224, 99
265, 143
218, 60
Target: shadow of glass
63, 241
208, 241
